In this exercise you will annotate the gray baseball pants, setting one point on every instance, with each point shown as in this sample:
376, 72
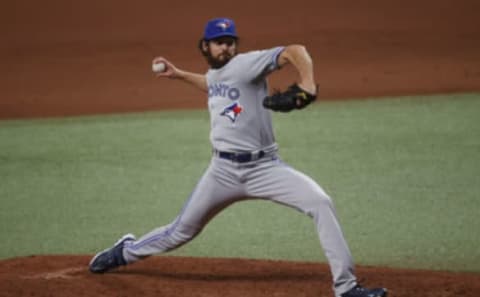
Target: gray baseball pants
226, 182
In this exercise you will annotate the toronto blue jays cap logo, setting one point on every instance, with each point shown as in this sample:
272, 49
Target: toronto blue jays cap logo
219, 27
224, 24
232, 111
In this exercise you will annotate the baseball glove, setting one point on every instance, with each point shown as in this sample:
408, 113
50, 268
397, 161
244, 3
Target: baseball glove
293, 98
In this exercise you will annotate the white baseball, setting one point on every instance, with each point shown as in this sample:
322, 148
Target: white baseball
159, 67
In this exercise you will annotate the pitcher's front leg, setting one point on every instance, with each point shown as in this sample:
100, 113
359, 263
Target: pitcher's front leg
211, 195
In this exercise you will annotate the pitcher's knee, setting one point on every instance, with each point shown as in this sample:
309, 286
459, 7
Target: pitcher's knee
318, 201
325, 200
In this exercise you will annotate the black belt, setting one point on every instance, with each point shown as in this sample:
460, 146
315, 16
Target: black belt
240, 157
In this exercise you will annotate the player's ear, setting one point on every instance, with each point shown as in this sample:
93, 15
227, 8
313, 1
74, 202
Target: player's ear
203, 46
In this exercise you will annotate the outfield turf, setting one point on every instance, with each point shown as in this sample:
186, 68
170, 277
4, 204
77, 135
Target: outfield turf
404, 174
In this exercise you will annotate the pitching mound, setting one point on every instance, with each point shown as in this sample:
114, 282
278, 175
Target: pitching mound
173, 276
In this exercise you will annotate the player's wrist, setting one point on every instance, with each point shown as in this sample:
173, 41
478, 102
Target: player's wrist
179, 74
309, 86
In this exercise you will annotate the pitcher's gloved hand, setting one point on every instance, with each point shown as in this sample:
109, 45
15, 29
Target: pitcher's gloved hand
293, 98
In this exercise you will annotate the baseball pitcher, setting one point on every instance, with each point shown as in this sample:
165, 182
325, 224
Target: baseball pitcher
245, 162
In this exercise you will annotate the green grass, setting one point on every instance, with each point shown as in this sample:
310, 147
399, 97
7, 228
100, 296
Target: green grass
404, 174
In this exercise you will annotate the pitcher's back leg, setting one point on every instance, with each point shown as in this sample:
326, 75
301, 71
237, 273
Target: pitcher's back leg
280, 183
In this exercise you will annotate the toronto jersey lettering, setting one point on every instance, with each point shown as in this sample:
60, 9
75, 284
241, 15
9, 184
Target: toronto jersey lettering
239, 122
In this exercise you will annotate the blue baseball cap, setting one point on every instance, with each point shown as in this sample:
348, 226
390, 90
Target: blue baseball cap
219, 27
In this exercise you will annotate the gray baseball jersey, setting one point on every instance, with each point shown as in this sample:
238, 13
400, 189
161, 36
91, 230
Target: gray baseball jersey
239, 123
235, 93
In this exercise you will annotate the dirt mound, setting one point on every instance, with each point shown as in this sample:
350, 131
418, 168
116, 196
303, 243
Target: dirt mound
68, 276
69, 58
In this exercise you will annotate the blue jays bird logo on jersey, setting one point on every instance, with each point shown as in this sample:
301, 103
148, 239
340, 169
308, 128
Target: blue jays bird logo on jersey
232, 111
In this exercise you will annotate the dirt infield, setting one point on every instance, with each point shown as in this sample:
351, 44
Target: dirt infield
81, 57
68, 276
88, 57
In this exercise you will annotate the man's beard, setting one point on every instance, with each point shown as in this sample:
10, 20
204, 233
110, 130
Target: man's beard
218, 63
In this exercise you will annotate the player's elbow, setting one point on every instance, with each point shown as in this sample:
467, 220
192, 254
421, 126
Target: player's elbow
297, 49
295, 52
